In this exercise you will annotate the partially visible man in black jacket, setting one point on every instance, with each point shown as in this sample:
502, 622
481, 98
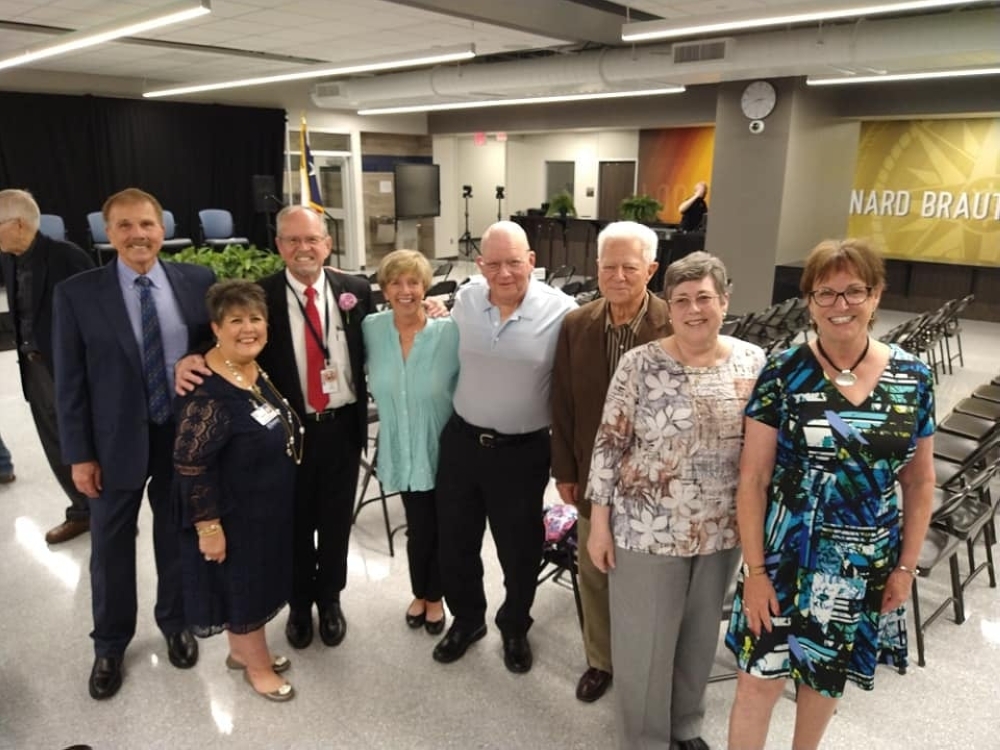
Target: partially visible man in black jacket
32, 266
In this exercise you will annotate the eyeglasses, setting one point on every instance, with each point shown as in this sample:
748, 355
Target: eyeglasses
853, 295
494, 266
311, 241
684, 303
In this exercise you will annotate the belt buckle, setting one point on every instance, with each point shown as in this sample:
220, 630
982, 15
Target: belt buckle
486, 440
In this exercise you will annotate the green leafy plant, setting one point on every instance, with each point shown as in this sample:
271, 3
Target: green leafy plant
233, 261
561, 204
641, 208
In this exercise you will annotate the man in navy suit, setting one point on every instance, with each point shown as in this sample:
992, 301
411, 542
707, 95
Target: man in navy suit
115, 423
333, 402
32, 265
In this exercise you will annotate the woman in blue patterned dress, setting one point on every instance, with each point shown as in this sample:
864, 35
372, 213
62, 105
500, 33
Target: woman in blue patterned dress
412, 372
831, 427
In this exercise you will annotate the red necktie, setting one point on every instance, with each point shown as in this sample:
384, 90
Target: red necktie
314, 354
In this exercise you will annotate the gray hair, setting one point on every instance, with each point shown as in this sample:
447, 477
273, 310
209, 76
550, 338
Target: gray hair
289, 210
695, 267
511, 229
18, 204
629, 230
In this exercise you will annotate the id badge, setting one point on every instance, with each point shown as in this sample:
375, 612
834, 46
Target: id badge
330, 378
264, 414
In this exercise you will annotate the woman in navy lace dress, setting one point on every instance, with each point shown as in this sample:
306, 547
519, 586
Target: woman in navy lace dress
237, 445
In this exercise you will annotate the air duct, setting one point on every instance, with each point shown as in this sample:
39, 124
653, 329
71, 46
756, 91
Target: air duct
954, 39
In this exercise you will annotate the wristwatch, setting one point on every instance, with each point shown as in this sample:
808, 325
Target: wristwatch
752, 570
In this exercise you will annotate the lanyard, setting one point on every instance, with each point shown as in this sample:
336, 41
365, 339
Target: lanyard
326, 317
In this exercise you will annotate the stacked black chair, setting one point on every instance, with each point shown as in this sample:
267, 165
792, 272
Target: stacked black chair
369, 468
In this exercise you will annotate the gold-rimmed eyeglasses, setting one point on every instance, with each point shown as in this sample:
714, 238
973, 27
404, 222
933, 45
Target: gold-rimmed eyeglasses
685, 303
314, 240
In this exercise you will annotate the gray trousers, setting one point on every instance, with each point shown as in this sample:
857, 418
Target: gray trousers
665, 615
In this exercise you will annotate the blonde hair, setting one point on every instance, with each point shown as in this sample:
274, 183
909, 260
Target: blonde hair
401, 262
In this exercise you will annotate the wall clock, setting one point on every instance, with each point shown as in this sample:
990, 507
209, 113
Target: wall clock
758, 100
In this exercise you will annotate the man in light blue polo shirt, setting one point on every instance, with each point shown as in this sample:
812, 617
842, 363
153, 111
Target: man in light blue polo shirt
494, 461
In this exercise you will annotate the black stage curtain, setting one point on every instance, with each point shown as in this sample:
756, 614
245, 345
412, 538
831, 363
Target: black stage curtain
72, 152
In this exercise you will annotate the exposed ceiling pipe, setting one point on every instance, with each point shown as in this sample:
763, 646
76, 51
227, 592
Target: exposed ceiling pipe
892, 44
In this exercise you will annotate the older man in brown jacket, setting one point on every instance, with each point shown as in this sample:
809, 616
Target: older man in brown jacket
591, 342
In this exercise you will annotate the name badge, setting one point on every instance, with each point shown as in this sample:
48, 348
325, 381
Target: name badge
330, 378
264, 414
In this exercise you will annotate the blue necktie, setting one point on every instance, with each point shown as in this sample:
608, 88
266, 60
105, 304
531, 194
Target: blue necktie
153, 368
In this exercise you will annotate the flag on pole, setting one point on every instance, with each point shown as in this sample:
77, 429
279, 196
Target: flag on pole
308, 176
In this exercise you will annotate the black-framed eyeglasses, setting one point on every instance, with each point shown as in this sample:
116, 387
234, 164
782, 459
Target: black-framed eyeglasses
854, 295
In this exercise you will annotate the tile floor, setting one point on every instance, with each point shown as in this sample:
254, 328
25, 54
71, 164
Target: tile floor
380, 688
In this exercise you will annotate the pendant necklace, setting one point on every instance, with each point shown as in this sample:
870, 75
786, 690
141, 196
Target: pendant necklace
290, 422
846, 376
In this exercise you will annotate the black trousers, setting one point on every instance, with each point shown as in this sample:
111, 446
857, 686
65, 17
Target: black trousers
504, 484
40, 390
422, 544
112, 557
325, 486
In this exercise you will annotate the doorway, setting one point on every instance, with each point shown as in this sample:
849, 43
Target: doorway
615, 182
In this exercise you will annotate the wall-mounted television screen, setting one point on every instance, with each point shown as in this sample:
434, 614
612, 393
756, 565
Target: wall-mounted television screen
418, 191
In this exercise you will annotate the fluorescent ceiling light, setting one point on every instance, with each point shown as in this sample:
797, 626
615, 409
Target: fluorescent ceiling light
645, 31
129, 26
403, 60
521, 100
926, 75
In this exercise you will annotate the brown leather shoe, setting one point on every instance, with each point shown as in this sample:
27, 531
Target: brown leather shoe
592, 685
66, 530
7, 478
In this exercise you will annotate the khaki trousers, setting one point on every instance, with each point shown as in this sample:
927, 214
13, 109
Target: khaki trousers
594, 597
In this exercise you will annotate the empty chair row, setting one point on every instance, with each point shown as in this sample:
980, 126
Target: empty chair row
216, 227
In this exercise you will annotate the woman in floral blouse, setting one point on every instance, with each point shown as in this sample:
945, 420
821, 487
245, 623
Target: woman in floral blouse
663, 484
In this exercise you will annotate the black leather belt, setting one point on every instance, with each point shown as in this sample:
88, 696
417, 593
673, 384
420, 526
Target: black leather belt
328, 415
488, 438
34, 357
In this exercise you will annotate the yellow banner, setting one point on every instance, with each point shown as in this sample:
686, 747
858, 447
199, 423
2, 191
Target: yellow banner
929, 190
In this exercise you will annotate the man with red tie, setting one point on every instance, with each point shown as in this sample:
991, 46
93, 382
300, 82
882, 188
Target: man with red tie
315, 357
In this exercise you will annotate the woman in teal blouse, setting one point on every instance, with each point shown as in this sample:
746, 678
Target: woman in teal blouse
412, 371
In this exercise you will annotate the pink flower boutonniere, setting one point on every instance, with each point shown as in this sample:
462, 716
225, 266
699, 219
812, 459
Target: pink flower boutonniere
346, 303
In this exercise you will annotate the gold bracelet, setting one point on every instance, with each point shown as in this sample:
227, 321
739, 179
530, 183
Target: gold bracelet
912, 571
210, 530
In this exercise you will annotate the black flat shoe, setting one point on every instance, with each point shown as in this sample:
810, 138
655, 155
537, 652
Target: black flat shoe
299, 629
454, 645
435, 627
182, 649
696, 743
517, 653
416, 621
332, 625
105, 677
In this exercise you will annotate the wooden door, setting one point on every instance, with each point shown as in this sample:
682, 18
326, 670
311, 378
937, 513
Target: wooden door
615, 182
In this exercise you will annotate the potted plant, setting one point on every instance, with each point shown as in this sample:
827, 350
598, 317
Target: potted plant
561, 204
232, 262
641, 208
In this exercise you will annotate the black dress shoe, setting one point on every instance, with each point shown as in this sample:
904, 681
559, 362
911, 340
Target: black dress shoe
454, 645
182, 649
332, 625
105, 677
517, 653
693, 744
416, 621
592, 685
299, 628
